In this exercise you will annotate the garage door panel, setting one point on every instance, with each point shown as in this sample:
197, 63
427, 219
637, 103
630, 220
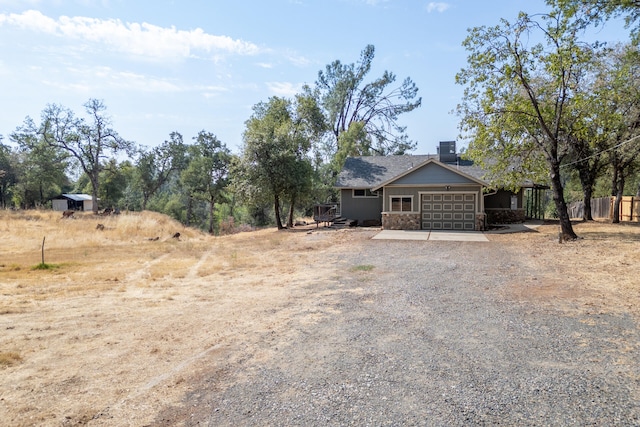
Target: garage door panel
448, 211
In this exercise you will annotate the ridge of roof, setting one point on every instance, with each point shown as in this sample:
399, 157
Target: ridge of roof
374, 171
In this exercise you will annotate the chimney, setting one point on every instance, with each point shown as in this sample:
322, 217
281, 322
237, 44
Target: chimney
447, 152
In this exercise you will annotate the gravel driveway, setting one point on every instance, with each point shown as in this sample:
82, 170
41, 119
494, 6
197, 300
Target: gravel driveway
424, 333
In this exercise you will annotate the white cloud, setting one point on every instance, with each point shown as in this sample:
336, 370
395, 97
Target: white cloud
92, 79
437, 6
375, 2
134, 38
284, 89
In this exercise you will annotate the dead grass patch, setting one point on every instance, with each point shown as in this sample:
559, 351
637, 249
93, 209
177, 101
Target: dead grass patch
9, 358
598, 272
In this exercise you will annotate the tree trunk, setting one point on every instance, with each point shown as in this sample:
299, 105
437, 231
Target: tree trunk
277, 209
561, 206
619, 192
94, 195
586, 215
291, 211
211, 209
587, 179
189, 209
616, 208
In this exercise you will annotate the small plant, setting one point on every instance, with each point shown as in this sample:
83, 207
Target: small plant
363, 267
9, 358
45, 266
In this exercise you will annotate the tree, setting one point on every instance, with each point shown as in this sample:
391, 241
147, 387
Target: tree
620, 88
154, 167
206, 175
518, 98
42, 169
89, 142
115, 178
275, 160
372, 107
594, 12
7, 173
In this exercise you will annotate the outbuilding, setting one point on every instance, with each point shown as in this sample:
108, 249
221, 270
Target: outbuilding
74, 202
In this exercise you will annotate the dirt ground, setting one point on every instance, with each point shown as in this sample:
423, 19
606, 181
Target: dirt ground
123, 325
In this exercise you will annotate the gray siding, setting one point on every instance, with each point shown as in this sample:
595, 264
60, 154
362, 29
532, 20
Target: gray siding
360, 209
415, 192
433, 174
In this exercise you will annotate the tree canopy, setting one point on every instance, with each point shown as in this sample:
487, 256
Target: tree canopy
373, 108
518, 99
275, 154
88, 141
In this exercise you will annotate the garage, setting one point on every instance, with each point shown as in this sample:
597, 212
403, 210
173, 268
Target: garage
448, 211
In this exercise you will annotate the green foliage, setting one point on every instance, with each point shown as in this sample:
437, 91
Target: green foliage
40, 170
8, 174
595, 12
518, 108
206, 175
89, 142
46, 266
275, 162
115, 178
156, 166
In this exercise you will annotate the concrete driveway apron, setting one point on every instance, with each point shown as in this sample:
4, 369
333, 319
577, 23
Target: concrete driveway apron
453, 236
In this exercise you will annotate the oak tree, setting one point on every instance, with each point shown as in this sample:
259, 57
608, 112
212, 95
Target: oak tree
89, 142
518, 95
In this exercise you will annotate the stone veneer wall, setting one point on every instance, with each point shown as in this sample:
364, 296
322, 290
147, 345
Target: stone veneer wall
480, 222
401, 221
505, 216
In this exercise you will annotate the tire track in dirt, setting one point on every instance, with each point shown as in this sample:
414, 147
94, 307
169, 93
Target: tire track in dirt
143, 272
193, 270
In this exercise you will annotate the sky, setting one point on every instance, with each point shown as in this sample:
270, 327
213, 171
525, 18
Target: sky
162, 66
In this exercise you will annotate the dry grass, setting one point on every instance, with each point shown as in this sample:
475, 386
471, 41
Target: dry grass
122, 306
9, 358
598, 271
110, 331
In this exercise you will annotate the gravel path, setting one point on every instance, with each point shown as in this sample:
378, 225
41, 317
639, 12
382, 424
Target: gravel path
423, 333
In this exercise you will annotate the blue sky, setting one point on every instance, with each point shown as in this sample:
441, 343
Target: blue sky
162, 66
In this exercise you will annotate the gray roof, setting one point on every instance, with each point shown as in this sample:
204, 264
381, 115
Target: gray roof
371, 171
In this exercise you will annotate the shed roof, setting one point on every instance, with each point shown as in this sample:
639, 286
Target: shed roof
367, 172
77, 197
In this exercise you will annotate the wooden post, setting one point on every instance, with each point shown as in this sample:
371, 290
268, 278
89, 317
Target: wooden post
43, 248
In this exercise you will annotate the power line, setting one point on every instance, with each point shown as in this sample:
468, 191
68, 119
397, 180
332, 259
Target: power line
601, 152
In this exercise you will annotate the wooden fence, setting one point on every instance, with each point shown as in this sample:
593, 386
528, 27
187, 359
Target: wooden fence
602, 208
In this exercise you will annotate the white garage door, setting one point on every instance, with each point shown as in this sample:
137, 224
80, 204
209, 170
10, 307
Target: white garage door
449, 211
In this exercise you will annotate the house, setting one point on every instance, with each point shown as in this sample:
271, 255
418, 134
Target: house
424, 192
76, 202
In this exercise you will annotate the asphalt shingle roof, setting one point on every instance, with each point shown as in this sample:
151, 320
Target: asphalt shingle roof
371, 171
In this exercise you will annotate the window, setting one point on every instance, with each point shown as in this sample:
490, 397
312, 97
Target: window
402, 204
363, 193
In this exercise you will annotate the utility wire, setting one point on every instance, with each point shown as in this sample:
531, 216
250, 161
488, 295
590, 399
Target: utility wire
601, 152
